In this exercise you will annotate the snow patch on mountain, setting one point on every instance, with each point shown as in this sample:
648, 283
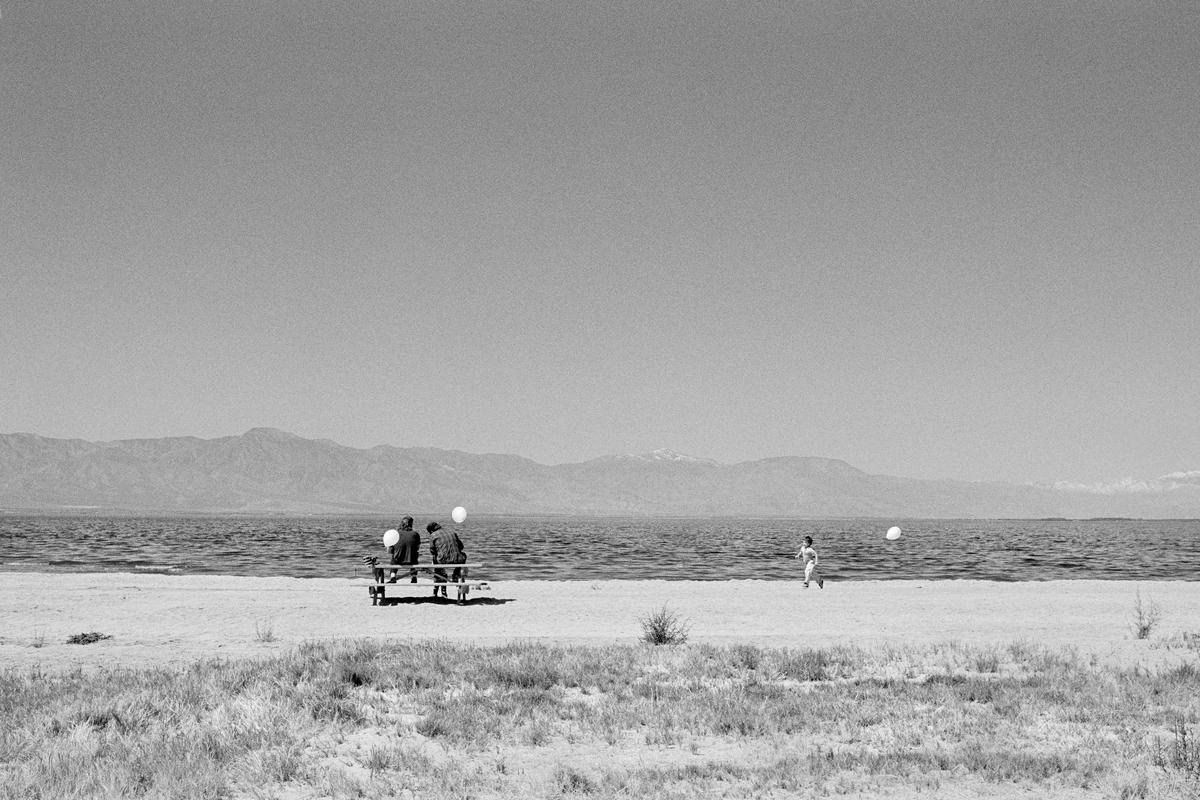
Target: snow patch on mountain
665, 455
1171, 482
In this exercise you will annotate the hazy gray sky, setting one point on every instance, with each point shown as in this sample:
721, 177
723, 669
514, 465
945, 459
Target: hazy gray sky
932, 239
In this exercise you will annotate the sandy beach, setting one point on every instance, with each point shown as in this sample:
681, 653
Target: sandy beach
163, 619
1040, 713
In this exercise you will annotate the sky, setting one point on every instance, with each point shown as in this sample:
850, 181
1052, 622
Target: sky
936, 240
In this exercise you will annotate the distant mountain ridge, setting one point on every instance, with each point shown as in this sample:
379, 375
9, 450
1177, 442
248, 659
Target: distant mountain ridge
270, 471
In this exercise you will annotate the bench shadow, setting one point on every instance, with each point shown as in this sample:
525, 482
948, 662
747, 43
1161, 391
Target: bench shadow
444, 601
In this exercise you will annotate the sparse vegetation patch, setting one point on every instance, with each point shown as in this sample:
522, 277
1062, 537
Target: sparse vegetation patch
443, 720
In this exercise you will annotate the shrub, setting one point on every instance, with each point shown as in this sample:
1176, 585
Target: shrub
663, 627
1145, 616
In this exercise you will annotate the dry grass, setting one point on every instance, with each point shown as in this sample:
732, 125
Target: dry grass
448, 721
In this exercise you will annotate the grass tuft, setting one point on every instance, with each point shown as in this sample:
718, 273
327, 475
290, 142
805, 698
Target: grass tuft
569, 780
803, 665
1135, 789
1181, 755
264, 631
664, 626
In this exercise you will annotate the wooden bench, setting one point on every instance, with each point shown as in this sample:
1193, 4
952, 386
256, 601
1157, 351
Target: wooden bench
426, 580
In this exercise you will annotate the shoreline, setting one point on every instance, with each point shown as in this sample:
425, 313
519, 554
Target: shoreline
161, 620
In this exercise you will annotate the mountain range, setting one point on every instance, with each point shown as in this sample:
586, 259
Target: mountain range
270, 471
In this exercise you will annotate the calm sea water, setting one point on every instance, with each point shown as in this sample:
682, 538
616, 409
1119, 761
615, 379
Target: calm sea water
591, 548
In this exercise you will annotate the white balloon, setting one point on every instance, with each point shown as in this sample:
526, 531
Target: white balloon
893, 533
458, 514
391, 537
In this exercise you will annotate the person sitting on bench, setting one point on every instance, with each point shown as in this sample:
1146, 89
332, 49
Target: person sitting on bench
446, 548
406, 550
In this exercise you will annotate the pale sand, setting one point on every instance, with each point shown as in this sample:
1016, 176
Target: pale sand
162, 619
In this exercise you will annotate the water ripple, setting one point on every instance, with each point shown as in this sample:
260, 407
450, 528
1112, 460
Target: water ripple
590, 548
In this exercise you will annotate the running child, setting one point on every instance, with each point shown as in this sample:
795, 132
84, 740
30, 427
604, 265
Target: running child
810, 563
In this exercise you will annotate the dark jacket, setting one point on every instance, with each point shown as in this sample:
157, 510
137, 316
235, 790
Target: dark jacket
447, 548
408, 549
